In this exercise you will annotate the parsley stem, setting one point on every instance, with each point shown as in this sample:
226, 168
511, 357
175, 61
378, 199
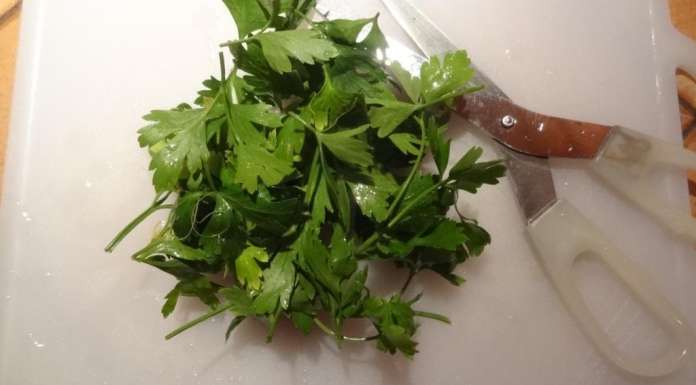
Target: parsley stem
330, 332
235, 42
209, 176
414, 170
411, 274
158, 204
304, 122
197, 321
367, 244
436, 317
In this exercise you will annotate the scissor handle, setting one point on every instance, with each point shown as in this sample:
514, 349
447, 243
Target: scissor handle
561, 235
626, 161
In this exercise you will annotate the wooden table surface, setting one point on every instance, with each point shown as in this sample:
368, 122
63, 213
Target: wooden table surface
683, 15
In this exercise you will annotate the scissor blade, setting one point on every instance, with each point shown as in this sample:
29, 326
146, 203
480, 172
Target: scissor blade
532, 183
432, 41
422, 31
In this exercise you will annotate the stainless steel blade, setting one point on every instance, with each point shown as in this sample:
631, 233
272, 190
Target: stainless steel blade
531, 176
532, 182
427, 36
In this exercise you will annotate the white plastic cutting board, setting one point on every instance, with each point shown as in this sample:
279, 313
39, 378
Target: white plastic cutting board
70, 314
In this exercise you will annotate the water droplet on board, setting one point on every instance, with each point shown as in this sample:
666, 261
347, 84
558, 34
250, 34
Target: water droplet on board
35, 342
26, 216
88, 184
540, 128
571, 148
48, 274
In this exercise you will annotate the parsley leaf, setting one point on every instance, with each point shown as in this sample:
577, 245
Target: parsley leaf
470, 176
446, 235
254, 163
330, 104
315, 259
253, 160
177, 138
439, 146
447, 77
373, 196
199, 287
237, 300
306, 46
390, 115
394, 319
344, 31
244, 116
173, 249
248, 271
411, 85
406, 143
345, 146
278, 283
248, 15
322, 200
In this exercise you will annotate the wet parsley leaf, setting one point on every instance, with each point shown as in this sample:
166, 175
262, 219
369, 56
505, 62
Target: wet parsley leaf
247, 266
306, 46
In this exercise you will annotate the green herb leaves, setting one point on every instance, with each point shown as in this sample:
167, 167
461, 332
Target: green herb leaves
439, 82
253, 15
470, 175
346, 147
446, 78
300, 163
176, 139
248, 271
304, 45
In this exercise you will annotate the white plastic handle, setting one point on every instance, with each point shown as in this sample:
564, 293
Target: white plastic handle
561, 235
627, 159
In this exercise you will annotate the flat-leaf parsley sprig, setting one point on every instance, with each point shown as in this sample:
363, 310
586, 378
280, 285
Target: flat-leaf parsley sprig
300, 162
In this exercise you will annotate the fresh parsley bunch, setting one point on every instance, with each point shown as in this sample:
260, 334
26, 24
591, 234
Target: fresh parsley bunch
299, 163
